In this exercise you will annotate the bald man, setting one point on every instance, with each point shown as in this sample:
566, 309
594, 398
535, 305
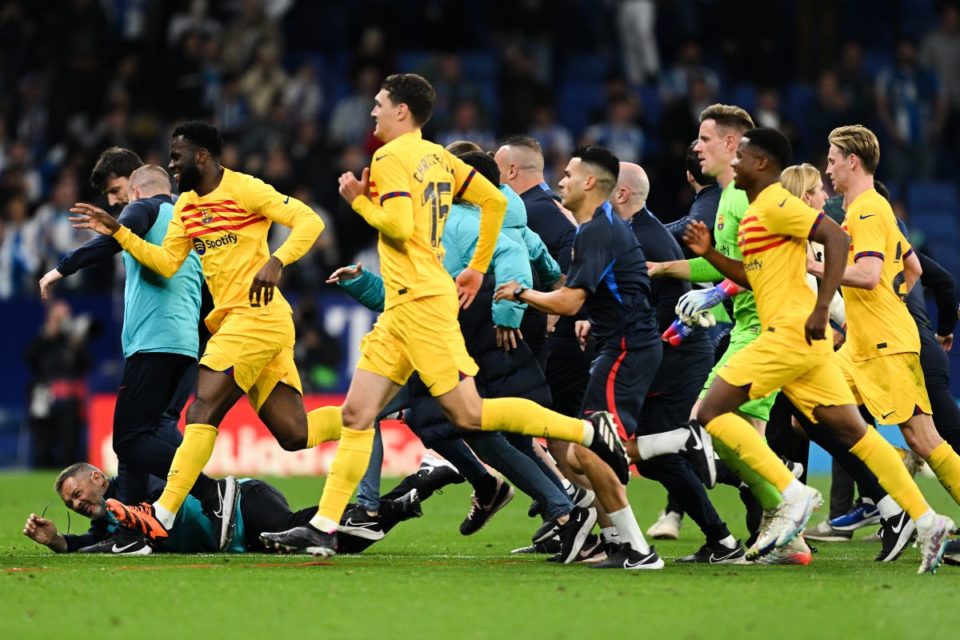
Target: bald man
160, 344
681, 375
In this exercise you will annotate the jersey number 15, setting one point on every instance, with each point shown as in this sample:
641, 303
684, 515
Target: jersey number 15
434, 193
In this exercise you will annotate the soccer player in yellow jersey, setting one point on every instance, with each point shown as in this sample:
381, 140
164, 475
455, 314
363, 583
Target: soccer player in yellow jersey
224, 217
881, 355
406, 194
794, 352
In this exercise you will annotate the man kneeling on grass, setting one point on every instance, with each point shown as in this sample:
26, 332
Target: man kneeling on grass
84, 489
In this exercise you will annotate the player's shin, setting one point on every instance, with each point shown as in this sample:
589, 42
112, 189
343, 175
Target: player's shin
945, 463
885, 463
324, 425
766, 494
346, 471
517, 415
740, 437
191, 457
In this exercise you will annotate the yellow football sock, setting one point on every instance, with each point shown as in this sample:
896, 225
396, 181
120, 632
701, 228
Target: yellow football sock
882, 459
191, 457
346, 471
516, 415
946, 465
742, 439
323, 425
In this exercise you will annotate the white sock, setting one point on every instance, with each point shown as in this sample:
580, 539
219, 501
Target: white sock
588, 432
609, 534
793, 490
660, 444
629, 530
888, 507
165, 517
323, 524
926, 520
566, 484
729, 542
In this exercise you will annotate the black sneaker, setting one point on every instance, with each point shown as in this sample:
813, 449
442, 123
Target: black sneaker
534, 510
579, 496
951, 553
699, 452
607, 444
716, 554
480, 513
222, 511
547, 530
357, 522
123, 542
551, 546
623, 556
574, 532
305, 539
432, 476
407, 506
593, 550
895, 534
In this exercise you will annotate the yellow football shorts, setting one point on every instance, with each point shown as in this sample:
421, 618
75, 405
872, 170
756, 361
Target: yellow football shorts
781, 359
422, 335
892, 387
256, 346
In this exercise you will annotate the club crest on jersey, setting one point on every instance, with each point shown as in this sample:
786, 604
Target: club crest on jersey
719, 221
205, 216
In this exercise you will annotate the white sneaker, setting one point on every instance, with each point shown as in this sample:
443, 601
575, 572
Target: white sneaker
932, 541
667, 526
789, 519
797, 551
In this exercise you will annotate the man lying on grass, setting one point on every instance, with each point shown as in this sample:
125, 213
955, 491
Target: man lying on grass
84, 489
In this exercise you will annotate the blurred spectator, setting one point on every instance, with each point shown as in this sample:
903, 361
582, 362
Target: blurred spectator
19, 175
231, 113
58, 360
912, 105
855, 81
675, 83
250, 31
636, 20
466, 125
445, 72
555, 140
263, 84
196, 18
19, 257
520, 91
940, 52
619, 133
303, 95
832, 109
351, 121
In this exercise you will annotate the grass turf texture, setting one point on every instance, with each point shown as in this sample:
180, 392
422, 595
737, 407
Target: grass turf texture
426, 580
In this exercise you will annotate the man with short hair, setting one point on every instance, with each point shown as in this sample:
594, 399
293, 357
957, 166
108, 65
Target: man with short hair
224, 217
406, 195
160, 339
706, 199
880, 357
259, 506
794, 352
608, 278
679, 379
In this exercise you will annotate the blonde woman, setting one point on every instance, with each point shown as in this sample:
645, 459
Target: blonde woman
805, 182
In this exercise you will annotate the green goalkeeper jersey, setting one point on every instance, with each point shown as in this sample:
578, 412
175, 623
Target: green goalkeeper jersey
730, 211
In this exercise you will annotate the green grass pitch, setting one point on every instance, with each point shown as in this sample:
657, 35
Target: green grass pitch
425, 580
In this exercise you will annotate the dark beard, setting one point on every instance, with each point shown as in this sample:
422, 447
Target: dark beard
189, 179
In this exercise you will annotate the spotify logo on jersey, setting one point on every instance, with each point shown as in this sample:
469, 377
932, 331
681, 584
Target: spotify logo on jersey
201, 246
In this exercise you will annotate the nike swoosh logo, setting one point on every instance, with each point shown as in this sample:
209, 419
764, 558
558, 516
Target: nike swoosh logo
715, 558
899, 526
287, 200
630, 565
379, 158
117, 549
868, 216
782, 202
699, 443
886, 415
359, 525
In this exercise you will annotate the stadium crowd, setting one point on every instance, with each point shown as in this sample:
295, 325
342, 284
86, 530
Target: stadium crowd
293, 100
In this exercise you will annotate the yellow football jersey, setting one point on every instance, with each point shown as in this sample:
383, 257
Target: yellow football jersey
773, 240
878, 322
228, 230
427, 176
